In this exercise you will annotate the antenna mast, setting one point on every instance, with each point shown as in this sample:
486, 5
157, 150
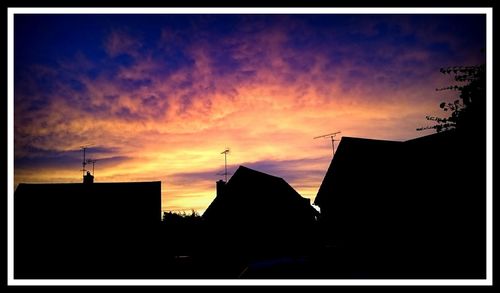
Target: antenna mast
331, 135
84, 162
93, 165
225, 152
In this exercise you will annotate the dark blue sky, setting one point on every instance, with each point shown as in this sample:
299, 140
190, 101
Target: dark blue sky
49, 38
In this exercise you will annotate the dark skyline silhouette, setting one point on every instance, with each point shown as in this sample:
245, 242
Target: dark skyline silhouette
377, 220
86, 230
408, 209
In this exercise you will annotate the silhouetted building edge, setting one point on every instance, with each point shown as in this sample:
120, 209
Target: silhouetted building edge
419, 204
83, 230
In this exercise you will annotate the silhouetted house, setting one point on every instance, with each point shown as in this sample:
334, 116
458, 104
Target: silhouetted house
258, 208
84, 230
413, 208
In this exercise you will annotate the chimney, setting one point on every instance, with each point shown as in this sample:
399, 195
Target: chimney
88, 179
221, 186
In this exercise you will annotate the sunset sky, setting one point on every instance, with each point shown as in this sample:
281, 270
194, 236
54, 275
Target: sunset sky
161, 96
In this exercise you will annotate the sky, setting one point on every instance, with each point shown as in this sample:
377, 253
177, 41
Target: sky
159, 97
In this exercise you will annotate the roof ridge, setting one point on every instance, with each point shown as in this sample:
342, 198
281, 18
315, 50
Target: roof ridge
253, 170
370, 139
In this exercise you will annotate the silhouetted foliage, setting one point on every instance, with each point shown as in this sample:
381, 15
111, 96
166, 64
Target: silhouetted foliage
465, 111
177, 217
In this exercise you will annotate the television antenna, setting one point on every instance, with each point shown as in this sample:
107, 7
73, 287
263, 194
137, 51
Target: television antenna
225, 152
331, 135
92, 161
84, 162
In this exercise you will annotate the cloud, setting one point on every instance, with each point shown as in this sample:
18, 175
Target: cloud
120, 42
164, 103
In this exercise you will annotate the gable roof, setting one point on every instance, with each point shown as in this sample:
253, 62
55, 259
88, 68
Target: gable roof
355, 152
363, 156
250, 192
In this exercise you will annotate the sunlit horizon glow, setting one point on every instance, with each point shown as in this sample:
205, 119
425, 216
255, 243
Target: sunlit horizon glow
161, 96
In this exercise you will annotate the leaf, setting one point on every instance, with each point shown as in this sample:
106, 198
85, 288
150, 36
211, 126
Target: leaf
442, 105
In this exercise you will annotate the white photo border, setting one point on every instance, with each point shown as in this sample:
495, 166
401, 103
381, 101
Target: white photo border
488, 11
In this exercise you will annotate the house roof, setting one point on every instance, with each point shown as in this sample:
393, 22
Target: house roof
250, 191
377, 156
353, 152
78, 230
140, 201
